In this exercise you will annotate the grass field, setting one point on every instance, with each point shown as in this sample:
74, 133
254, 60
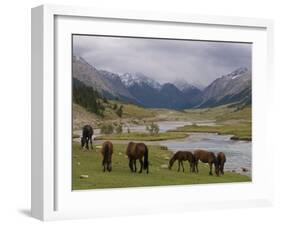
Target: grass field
229, 121
131, 113
221, 113
89, 163
240, 131
144, 136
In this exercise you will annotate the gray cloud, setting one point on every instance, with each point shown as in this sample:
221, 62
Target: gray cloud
197, 62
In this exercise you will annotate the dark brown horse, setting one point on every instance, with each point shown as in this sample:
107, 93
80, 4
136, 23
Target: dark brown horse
182, 156
137, 151
107, 151
221, 161
87, 133
206, 157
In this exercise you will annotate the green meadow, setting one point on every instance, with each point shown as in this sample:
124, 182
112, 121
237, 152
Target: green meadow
240, 131
89, 163
137, 136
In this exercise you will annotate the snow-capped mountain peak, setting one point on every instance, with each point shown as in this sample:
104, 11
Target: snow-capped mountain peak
237, 73
109, 74
184, 85
228, 88
129, 79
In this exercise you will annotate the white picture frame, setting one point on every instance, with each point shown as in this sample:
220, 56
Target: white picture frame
52, 198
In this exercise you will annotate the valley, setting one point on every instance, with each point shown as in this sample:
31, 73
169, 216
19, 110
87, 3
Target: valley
221, 128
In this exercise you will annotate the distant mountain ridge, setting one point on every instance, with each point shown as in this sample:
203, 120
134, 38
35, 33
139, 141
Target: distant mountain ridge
142, 90
233, 87
107, 83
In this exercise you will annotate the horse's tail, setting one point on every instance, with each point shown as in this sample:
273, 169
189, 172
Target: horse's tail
145, 161
105, 153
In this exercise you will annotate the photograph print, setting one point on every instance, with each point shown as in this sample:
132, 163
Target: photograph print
158, 112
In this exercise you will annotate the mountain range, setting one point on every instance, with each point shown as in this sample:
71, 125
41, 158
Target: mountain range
138, 88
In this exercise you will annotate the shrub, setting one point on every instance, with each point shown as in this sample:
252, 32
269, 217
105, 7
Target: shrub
114, 107
119, 111
153, 128
119, 128
105, 100
107, 128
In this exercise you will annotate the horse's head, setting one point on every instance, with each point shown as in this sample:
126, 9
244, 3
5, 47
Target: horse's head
171, 162
83, 141
109, 167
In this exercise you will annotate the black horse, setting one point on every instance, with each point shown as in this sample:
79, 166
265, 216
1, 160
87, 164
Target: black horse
87, 134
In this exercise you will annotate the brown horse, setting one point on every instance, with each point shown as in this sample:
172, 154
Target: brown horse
182, 156
137, 151
206, 157
221, 161
107, 151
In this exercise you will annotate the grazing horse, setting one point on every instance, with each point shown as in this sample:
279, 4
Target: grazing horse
205, 157
137, 151
87, 134
221, 161
182, 156
107, 151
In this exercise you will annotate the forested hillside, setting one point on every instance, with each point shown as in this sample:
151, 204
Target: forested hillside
87, 97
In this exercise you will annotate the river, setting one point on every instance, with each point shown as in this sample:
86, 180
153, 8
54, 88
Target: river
238, 153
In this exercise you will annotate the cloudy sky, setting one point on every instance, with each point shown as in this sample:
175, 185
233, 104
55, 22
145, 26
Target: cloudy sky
197, 62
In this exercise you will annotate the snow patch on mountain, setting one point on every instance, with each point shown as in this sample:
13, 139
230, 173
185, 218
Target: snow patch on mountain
184, 85
236, 74
129, 80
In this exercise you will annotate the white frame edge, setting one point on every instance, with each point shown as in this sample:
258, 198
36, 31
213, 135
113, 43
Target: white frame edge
42, 112
43, 85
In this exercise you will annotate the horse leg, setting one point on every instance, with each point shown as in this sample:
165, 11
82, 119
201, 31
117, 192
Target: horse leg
178, 165
182, 166
193, 166
109, 168
141, 165
135, 164
190, 166
211, 166
196, 166
91, 142
222, 166
87, 143
103, 162
131, 165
